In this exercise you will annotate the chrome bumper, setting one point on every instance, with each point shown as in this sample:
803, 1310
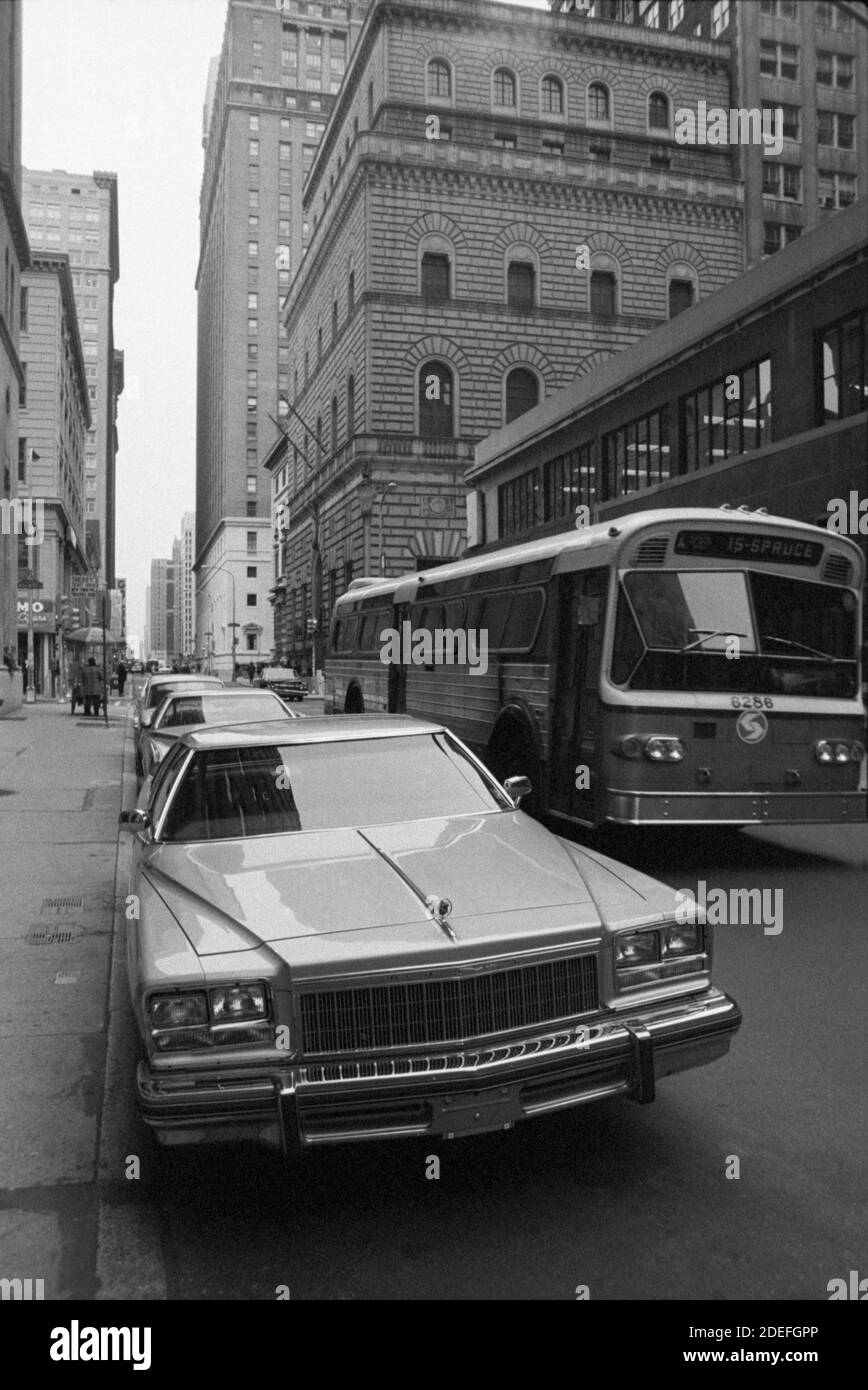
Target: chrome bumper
736, 808
447, 1094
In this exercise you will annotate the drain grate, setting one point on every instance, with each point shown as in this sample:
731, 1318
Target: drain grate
66, 977
69, 904
51, 936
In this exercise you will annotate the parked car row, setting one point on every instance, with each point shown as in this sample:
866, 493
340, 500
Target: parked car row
349, 930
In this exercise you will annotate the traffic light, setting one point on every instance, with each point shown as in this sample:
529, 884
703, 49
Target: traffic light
312, 627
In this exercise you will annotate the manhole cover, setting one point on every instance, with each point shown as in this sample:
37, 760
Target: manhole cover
69, 904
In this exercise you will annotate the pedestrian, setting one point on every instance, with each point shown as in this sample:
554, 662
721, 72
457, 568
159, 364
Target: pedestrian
55, 676
92, 687
251, 671
9, 660
121, 675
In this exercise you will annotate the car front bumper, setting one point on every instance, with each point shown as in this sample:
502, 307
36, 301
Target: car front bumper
735, 808
447, 1094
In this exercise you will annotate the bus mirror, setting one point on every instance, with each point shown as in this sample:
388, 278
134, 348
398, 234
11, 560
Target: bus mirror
588, 613
518, 788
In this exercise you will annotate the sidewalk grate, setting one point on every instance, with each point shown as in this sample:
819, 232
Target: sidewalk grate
48, 936
69, 904
66, 977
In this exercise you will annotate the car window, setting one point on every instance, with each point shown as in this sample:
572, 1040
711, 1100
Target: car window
163, 779
241, 792
158, 693
185, 709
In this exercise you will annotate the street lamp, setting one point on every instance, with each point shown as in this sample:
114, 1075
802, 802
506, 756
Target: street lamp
214, 569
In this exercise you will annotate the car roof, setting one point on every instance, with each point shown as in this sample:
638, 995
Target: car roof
329, 728
160, 677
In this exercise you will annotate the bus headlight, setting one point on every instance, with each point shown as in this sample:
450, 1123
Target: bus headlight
628, 747
664, 750
823, 751
842, 752
857, 751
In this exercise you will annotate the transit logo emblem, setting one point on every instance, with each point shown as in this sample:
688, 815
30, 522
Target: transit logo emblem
752, 726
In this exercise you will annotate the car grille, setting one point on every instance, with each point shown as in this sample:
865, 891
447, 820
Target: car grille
427, 1012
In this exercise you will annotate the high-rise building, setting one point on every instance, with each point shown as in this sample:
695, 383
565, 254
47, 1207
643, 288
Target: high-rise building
497, 207
14, 258
186, 581
161, 612
808, 61
268, 98
53, 419
78, 214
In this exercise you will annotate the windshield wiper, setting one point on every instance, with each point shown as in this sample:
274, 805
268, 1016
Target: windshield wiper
707, 634
800, 646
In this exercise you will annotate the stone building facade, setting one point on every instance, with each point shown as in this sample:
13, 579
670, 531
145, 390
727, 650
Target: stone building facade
53, 421
14, 257
497, 207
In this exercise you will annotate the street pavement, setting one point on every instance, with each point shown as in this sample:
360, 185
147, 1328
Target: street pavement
633, 1202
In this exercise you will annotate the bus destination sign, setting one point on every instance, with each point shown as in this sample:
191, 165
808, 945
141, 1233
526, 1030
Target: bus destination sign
746, 545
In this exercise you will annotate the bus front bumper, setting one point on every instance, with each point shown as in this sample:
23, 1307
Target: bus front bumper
736, 808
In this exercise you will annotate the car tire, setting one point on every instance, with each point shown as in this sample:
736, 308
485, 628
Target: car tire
511, 753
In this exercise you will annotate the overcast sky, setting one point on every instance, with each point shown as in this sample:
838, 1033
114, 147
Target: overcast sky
119, 85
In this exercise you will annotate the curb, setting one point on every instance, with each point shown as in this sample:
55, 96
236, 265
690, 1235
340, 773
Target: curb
129, 1260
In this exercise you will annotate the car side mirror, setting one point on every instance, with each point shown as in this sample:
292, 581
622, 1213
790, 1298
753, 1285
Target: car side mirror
518, 788
147, 718
135, 819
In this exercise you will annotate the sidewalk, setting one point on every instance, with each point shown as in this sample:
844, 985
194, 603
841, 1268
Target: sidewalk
61, 789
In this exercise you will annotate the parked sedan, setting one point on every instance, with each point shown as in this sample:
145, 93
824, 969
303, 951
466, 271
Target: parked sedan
184, 710
154, 692
348, 930
284, 681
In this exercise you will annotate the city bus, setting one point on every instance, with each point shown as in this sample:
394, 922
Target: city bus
668, 667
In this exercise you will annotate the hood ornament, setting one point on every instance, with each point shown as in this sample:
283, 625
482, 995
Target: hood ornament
440, 908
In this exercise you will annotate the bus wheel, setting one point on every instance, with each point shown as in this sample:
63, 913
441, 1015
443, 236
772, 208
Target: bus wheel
511, 753
354, 704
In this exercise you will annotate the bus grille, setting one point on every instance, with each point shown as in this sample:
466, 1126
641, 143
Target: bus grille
447, 1011
838, 570
652, 551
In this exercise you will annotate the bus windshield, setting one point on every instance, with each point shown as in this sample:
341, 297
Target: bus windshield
734, 630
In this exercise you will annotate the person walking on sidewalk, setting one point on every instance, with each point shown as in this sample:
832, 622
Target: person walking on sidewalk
121, 672
92, 687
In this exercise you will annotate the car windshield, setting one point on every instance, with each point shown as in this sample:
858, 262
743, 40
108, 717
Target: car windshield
241, 792
734, 630
186, 711
157, 693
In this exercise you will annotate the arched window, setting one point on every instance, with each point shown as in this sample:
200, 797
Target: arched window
599, 106
658, 111
439, 79
604, 294
552, 96
334, 424
351, 293
521, 284
680, 296
435, 401
522, 392
504, 87
351, 407
434, 279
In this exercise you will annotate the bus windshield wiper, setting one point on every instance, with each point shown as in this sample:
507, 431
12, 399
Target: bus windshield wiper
799, 646
707, 633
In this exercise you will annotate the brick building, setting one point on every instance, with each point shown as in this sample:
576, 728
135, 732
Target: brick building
53, 420
268, 98
14, 257
808, 60
78, 214
497, 207
757, 397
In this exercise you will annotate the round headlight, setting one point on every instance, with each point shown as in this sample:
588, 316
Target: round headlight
842, 752
629, 747
857, 751
823, 752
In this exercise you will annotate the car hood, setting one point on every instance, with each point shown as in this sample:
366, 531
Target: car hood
339, 895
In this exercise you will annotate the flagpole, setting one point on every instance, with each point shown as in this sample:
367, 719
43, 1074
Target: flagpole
104, 654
